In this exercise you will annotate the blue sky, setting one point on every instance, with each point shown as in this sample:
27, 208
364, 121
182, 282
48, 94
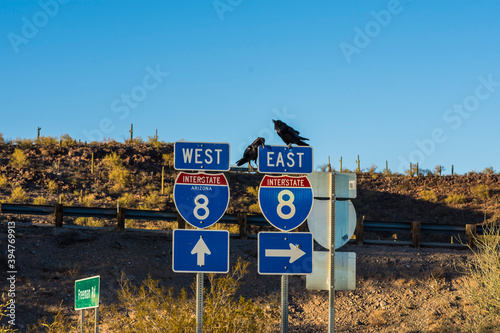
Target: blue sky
397, 81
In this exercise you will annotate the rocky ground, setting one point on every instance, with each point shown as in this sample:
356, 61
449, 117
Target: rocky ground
398, 289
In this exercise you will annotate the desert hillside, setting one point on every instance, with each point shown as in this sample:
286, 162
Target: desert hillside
98, 174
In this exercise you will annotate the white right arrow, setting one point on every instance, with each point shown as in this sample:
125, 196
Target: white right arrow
200, 249
294, 253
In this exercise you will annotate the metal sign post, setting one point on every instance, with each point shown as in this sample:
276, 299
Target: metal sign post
284, 303
331, 296
82, 320
199, 302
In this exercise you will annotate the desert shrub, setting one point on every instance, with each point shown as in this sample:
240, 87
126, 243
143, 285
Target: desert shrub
153, 141
232, 228
134, 141
89, 222
413, 171
378, 318
152, 201
254, 208
121, 178
59, 324
47, 141
168, 159
87, 200
24, 143
455, 199
18, 195
3, 181
40, 201
483, 280
372, 169
67, 141
425, 172
488, 171
224, 313
118, 174
52, 186
428, 195
132, 224
152, 308
4, 313
323, 167
168, 190
127, 200
112, 160
439, 170
253, 191
18, 159
1, 138
481, 191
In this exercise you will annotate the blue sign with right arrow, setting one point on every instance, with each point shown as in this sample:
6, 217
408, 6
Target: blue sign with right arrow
285, 253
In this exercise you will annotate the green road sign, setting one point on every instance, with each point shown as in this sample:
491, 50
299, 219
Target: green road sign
87, 293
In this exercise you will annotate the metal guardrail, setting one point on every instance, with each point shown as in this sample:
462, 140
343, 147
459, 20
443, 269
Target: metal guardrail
469, 231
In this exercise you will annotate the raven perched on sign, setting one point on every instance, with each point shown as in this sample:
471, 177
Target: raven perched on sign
288, 134
251, 152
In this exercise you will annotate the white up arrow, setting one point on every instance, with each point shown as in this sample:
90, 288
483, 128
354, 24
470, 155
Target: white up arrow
200, 249
294, 253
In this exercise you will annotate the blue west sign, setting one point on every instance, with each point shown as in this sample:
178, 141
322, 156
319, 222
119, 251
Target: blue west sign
201, 156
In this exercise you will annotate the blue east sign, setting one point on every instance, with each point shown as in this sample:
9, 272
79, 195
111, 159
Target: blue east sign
201, 156
285, 160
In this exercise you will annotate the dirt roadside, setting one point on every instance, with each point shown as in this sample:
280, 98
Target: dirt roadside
398, 289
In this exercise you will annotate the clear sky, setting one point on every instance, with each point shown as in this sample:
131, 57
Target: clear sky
402, 81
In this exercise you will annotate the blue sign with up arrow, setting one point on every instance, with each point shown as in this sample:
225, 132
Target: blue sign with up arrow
285, 253
200, 251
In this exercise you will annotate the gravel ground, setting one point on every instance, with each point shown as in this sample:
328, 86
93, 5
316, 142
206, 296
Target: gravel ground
398, 289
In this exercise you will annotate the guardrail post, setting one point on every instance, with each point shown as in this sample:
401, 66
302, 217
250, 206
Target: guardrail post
359, 232
471, 233
181, 223
58, 215
120, 216
415, 231
242, 222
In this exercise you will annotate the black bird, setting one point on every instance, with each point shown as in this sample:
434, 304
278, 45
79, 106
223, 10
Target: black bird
288, 134
251, 152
